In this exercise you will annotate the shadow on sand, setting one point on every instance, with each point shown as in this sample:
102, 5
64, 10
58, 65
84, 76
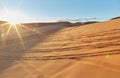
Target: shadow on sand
13, 47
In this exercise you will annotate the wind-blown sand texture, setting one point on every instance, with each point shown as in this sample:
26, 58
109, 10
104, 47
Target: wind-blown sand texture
58, 51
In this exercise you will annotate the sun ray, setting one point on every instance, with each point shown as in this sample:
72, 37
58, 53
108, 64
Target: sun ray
6, 34
4, 39
37, 32
13, 18
4, 24
20, 37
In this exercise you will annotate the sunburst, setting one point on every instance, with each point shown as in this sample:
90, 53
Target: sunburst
10, 26
14, 19
16, 26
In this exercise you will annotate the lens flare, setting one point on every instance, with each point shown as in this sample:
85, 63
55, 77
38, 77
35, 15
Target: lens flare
14, 19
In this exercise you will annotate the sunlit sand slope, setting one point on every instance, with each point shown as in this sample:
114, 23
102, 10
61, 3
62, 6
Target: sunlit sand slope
89, 51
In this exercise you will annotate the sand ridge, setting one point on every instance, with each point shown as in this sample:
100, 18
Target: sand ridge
89, 51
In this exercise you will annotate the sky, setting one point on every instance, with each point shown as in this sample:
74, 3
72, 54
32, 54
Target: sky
51, 10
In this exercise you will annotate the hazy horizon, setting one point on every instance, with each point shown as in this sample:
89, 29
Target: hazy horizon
48, 11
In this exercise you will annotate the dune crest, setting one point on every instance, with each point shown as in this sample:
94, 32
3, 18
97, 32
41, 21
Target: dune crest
60, 51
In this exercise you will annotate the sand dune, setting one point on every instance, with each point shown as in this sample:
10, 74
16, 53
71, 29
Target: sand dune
59, 51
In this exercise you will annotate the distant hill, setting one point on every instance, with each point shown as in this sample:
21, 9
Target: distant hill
1, 22
85, 23
68, 24
48, 23
115, 18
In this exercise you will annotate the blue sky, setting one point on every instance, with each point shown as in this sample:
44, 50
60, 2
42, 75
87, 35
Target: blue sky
65, 9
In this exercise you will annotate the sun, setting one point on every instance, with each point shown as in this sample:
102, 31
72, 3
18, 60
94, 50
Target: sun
14, 16
13, 23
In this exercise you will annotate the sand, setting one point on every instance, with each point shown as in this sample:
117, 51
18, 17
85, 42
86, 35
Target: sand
58, 51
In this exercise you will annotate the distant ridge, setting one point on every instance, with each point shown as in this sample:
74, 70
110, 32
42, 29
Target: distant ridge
2, 22
116, 18
65, 23
85, 23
